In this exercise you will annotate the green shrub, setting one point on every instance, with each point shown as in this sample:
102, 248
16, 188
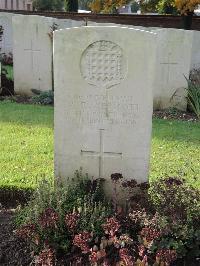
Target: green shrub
166, 7
45, 98
154, 229
179, 205
50, 214
193, 97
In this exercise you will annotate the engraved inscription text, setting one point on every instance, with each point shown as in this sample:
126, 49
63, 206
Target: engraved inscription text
101, 110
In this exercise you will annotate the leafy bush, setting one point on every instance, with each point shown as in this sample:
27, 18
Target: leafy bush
179, 205
193, 97
55, 213
46, 97
166, 7
155, 228
6, 59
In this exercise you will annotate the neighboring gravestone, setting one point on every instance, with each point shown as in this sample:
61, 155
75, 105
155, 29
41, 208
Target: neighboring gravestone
6, 44
173, 65
103, 101
195, 62
33, 51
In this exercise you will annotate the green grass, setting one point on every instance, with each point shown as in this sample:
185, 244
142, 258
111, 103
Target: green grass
26, 141
176, 150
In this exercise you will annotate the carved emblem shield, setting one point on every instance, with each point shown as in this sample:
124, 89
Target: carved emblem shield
103, 64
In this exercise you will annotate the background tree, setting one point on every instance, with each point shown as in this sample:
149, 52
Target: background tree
135, 6
167, 7
72, 5
186, 6
84, 4
148, 5
48, 5
107, 6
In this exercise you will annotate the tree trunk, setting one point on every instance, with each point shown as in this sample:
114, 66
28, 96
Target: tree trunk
187, 21
72, 5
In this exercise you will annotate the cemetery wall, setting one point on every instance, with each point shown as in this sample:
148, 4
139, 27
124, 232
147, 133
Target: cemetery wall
136, 20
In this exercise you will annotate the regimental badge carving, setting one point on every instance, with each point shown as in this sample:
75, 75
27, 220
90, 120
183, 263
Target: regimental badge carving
103, 64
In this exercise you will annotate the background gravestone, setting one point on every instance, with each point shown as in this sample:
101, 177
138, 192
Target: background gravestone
33, 52
195, 63
6, 45
173, 65
103, 101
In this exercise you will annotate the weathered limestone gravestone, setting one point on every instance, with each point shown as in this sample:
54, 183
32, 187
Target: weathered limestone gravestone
6, 45
33, 51
195, 62
103, 101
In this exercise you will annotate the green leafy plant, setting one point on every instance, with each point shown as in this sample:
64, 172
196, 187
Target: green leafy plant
166, 7
56, 212
154, 229
193, 97
45, 98
179, 206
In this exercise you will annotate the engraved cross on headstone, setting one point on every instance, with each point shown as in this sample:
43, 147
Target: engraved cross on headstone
168, 64
101, 154
32, 51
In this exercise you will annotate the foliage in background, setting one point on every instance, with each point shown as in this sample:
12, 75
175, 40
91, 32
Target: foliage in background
43, 97
84, 4
6, 59
148, 5
71, 5
186, 6
135, 6
107, 6
158, 229
48, 5
166, 7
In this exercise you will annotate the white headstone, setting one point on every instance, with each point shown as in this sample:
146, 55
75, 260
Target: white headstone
195, 62
103, 101
173, 65
6, 45
33, 52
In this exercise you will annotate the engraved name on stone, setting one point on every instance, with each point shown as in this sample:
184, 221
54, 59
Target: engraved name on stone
103, 64
99, 109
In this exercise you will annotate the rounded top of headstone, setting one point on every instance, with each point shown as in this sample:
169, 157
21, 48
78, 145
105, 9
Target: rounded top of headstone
103, 64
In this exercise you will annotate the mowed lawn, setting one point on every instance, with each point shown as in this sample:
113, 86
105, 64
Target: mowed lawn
26, 146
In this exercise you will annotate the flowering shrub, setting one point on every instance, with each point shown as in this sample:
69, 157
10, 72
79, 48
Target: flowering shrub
78, 226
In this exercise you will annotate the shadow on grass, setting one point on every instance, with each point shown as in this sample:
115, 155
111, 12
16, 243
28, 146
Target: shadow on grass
26, 114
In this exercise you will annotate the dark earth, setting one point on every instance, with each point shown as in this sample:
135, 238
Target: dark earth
12, 251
